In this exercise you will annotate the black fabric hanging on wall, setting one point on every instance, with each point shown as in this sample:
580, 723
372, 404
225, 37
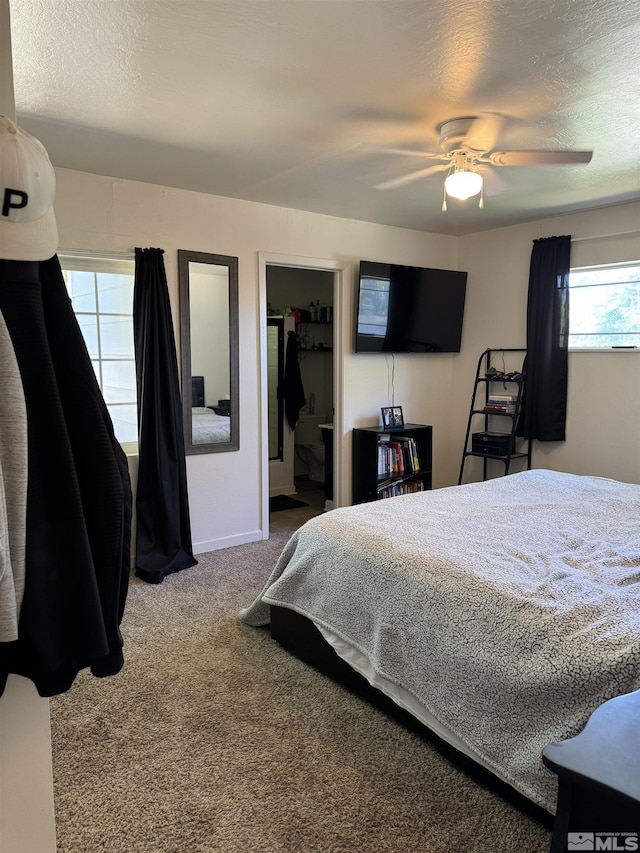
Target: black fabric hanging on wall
292, 389
78, 519
163, 527
544, 405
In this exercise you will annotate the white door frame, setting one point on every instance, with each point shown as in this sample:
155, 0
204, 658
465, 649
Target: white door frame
340, 270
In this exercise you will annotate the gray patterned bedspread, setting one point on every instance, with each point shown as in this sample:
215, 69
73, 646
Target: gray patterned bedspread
510, 609
207, 427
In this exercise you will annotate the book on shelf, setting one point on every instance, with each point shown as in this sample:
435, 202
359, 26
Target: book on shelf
500, 410
397, 454
410, 452
390, 459
406, 488
501, 401
397, 457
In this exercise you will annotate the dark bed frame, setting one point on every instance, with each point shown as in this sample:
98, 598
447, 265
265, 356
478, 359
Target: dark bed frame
598, 770
300, 636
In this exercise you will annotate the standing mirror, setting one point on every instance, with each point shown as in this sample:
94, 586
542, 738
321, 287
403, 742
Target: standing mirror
208, 288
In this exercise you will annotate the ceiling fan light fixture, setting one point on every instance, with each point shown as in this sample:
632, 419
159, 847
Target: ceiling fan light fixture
463, 184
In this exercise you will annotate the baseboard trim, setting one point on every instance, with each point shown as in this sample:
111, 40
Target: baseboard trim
227, 541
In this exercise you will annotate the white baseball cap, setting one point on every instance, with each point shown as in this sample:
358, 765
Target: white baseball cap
28, 230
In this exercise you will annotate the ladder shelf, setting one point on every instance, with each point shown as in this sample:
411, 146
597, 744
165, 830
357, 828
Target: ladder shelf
501, 445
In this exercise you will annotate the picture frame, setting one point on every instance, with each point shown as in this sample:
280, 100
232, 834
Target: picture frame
392, 417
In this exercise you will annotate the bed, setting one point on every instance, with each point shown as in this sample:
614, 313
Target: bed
500, 614
207, 426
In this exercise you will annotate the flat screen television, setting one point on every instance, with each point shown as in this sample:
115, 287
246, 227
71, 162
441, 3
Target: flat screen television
409, 309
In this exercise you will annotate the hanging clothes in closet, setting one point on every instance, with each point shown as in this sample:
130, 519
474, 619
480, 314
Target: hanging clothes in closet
77, 515
292, 390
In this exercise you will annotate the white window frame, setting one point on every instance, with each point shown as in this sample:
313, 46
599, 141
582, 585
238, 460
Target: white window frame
117, 262
613, 267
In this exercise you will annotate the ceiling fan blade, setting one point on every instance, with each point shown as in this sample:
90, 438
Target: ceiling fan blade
538, 158
494, 183
484, 131
411, 177
381, 149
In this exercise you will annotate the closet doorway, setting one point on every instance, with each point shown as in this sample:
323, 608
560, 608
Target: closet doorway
303, 463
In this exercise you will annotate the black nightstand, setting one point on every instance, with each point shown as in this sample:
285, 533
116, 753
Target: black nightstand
599, 778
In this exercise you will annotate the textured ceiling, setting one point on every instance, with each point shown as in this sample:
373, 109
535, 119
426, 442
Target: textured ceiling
277, 101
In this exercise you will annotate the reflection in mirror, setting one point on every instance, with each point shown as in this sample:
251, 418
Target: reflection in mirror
208, 286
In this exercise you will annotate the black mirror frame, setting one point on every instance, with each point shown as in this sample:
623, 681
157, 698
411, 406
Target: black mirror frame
184, 258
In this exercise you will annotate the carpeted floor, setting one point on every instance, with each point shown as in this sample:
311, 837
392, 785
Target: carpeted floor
215, 740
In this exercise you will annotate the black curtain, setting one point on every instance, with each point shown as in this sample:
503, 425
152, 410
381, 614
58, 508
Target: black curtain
544, 405
163, 527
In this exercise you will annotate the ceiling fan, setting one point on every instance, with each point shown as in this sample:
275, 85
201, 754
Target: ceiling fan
467, 148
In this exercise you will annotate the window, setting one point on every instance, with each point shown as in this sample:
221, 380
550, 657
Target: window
604, 305
101, 291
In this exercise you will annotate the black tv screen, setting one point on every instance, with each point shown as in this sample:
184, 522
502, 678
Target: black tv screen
409, 309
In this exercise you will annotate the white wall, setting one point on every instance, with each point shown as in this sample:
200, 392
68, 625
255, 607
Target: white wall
603, 405
95, 212
603, 428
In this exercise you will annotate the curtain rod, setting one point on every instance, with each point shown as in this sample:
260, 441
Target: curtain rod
95, 253
605, 236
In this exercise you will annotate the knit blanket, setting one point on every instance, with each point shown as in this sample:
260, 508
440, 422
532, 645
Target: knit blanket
510, 608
